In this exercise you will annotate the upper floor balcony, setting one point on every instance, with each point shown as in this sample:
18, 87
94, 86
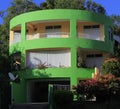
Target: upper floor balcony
57, 29
48, 35
90, 30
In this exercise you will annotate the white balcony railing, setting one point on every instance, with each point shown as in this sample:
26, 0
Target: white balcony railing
49, 35
88, 36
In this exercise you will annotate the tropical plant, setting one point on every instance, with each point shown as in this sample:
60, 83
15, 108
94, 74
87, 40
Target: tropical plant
111, 65
116, 21
103, 88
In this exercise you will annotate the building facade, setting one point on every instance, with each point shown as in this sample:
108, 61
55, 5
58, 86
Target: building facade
59, 46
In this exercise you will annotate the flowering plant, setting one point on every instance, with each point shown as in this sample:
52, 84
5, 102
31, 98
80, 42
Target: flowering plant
102, 88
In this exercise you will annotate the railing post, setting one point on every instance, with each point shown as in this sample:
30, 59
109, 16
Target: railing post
50, 91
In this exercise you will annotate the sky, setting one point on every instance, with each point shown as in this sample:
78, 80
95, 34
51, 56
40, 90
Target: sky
111, 6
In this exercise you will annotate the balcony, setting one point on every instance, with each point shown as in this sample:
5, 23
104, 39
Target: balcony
16, 37
90, 30
90, 58
89, 36
48, 35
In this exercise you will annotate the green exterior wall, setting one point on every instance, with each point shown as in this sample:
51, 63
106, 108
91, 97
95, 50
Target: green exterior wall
74, 73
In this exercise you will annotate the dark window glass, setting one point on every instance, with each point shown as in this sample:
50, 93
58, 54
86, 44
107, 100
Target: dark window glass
49, 27
91, 26
94, 55
57, 27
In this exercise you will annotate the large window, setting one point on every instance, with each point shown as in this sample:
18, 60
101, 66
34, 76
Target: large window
94, 60
53, 31
50, 58
17, 36
92, 32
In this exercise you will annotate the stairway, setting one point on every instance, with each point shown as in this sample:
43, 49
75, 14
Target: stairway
44, 105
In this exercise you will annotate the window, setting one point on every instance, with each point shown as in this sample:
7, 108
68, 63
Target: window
17, 36
92, 32
94, 55
110, 34
50, 58
94, 60
93, 26
53, 27
53, 31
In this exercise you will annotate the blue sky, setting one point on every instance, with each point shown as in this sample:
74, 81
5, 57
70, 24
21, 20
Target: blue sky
111, 6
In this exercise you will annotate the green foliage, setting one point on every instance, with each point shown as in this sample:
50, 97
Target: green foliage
4, 41
18, 7
117, 52
50, 4
116, 20
103, 88
62, 99
94, 7
73, 4
111, 67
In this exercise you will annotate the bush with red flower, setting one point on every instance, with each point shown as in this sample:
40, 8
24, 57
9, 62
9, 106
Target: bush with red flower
103, 88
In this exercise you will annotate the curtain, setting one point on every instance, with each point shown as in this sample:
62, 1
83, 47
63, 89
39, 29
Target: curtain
17, 37
92, 33
51, 58
53, 33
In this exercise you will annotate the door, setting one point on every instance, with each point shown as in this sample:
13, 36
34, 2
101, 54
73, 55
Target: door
38, 90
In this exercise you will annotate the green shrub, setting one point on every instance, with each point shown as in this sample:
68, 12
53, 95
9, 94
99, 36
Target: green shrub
104, 88
111, 67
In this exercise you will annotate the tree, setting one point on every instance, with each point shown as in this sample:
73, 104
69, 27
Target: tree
18, 7
73, 4
43, 5
4, 41
117, 52
116, 21
94, 7
111, 65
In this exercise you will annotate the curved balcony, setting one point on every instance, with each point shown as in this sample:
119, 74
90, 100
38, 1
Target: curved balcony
89, 36
49, 35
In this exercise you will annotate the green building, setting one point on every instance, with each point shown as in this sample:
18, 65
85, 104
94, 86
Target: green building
59, 46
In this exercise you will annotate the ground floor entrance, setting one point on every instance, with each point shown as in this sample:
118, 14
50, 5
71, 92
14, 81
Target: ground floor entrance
37, 90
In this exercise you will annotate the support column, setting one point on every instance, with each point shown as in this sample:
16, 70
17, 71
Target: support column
74, 57
23, 32
73, 46
73, 28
